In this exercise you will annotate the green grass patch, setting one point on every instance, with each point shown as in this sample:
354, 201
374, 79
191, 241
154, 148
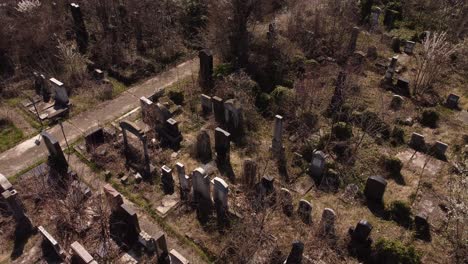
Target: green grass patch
9, 135
118, 87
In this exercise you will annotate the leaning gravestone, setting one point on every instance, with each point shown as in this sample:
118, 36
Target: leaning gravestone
203, 147
220, 197
205, 76
177, 258
295, 256
452, 101
375, 188
167, 180
80, 254
51, 242
128, 222
305, 211
328, 222
56, 157
184, 182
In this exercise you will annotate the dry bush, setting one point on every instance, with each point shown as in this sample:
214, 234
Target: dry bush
73, 64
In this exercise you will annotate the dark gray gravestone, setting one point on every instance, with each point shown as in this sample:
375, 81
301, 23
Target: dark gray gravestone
56, 157
250, 173
375, 188
402, 87
362, 231
417, 142
222, 146
207, 106
220, 197
317, 165
305, 211
295, 256
205, 76
286, 201
202, 194
353, 40
452, 101
61, 96
80, 28
167, 180
203, 147
184, 182
218, 108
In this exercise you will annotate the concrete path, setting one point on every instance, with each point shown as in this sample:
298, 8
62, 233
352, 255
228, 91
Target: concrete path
27, 153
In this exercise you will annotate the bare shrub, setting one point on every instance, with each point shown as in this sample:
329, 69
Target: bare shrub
74, 64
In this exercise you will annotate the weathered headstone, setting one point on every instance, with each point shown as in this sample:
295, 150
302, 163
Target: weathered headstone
162, 250
305, 211
80, 255
317, 165
207, 106
277, 142
286, 201
56, 157
80, 28
295, 256
167, 180
170, 133
409, 46
177, 258
375, 188
374, 19
128, 126
202, 194
220, 196
61, 96
234, 119
129, 224
353, 40
402, 87
184, 182
396, 43
114, 198
452, 101
397, 102
218, 109
417, 142
328, 222
222, 146
203, 147
50, 241
205, 77
147, 110
440, 148
362, 231
250, 172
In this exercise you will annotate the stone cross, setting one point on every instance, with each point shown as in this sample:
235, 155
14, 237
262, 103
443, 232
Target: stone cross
220, 196
207, 106
80, 28
452, 101
328, 222
147, 109
277, 142
250, 173
61, 96
353, 40
218, 109
202, 194
222, 146
56, 157
375, 188
417, 141
205, 77
203, 146
295, 256
184, 182
317, 165
305, 211
286, 201
167, 180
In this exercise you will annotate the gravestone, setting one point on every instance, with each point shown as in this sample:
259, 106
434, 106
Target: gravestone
277, 142
40, 86
421, 225
305, 211
147, 241
250, 172
409, 46
220, 196
162, 113
203, 146
353, 40
375, 188
207, 106
202, 194
128, 126
177, 258
15, 206
80, 255
170, 133
114, 198
222, 146
162, 250
374, 19
295, 256
184, 182
362, 231
61, 96
317, 165
417, 142
205, 76
402, 87
51, 242
286, 201
372, 52
218, 109
264, 191
393, 63
328, 222
167, 180
129, 226
440, 148
56, 157
5, 184
396, 43
337, 99
397, 102
147, 110
234, 119
79, 28
94, 138
98, 75
452, 101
